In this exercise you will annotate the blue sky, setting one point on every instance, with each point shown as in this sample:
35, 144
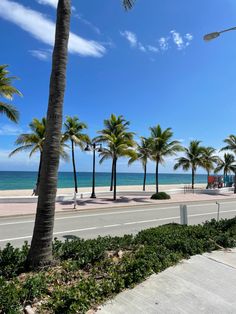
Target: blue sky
149, 64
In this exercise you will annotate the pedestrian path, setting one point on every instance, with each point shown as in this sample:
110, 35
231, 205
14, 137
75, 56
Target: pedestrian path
203, 284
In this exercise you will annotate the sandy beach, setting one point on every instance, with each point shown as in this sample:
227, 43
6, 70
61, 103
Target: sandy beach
149, 188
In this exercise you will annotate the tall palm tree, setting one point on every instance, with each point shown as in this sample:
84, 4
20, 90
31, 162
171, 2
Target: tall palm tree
113, 126
192, 159
8, 91
227, 164
162, 146
208, 160
143, 153
33, 142
230, 142
73, 133
40, 252
119, 143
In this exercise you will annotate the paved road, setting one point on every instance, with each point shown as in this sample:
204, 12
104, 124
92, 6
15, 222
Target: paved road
118, 221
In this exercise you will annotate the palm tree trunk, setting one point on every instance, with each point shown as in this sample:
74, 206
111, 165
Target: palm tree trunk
193, 174
74, 168
208, 174
40, 252
144, 176
114, 170
157, 183
112, 175
235, 183
36, 192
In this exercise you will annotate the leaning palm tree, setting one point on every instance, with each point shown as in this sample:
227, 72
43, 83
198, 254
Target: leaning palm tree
113, 126
8, 91
40, 252
143, 153
208, 160
33, 142
73, 133
227, 164
162, 146
191, 160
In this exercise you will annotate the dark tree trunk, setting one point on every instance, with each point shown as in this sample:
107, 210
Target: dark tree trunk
114, 170
157, 183
112, 175
40, 252
235, 183
36, 192
193, 175
208, 174
144, 176
74, 168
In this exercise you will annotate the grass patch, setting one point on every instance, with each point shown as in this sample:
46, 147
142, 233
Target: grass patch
89, 272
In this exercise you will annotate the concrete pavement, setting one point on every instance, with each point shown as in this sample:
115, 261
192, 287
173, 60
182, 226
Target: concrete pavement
203, 284
112, 221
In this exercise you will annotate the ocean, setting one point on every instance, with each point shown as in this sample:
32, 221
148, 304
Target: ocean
20, 180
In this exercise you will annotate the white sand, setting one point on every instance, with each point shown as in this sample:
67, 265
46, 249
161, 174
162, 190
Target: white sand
101, 189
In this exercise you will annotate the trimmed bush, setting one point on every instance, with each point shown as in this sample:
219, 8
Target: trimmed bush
160, 196
88, 272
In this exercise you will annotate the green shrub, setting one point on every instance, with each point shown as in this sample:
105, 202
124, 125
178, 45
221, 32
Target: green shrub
12, 260
9, 297
160, 196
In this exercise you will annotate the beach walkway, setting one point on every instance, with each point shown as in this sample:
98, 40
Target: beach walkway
203, 284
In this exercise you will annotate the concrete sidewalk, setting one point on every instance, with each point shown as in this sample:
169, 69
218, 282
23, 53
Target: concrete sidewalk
18, 209
203, 284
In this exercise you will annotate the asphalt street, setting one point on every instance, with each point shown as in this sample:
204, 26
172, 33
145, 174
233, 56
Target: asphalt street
114, 221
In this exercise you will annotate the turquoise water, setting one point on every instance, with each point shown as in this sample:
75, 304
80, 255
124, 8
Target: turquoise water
19, 180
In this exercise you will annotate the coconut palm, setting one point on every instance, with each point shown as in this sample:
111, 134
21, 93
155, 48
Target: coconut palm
119, 143
191, 160
162, 146
227, 164
143, 153
231, 145
40, 252
208, 160
73, 133
33, 142
114, 125
8, 91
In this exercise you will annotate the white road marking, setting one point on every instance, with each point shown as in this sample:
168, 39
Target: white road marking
117, 212
122, 224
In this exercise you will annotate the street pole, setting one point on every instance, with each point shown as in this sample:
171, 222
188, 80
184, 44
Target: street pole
218, 211
93, 195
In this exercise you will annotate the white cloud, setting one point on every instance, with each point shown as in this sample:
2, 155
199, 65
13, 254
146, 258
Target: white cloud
88, 23
42, 55
189, 37
141, 47
178, 40
9, 130
52, 3
131, 37
163, 43
43, 29
152, 48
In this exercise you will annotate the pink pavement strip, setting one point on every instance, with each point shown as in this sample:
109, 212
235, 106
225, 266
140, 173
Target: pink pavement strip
18, 209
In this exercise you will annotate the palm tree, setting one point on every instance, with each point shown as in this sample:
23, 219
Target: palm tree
227, 164
40, 252
119, 143
162, 146
208, 160
8, 91
33, 142
192, 159
114, 125
73, 132
231, 145
143, 153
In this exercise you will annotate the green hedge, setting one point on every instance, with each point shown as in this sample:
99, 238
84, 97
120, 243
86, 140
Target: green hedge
89, 272
160, 196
